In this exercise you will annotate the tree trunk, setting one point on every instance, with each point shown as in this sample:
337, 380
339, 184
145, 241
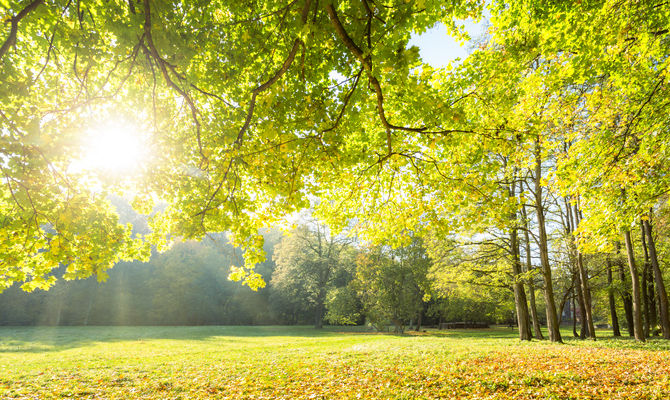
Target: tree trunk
318, 317
531, 285
574, 317
561, 305
610, 295
646, 312
626, 299
586, 297
537, 329
520, 300
419, 319
584, 329
635, 283
653, 314
552, 318
320, 308
587, 316
658, 280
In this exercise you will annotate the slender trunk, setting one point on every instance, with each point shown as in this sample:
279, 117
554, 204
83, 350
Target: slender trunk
318, 317
320, 308
419, 320
584, 329
531, 284
552, 318
561, 305
653, 314
88, 311
635, 283
658, 280
646, 312
91, 297
587, 316
520, 300
574, 317
537, 330
627, 300
586, 296
610, 295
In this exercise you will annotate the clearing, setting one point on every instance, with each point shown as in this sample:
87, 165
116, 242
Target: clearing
338, 363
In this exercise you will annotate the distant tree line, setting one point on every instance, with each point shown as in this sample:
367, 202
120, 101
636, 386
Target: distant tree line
315, 277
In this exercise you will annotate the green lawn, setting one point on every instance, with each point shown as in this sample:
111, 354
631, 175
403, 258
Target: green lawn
300, 362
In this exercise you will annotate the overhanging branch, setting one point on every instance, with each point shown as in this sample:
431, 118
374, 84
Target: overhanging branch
14, 21
367, 65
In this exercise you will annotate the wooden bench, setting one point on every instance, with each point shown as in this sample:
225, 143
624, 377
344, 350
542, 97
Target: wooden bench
463, 325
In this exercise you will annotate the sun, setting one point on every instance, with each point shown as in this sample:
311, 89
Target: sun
114, 147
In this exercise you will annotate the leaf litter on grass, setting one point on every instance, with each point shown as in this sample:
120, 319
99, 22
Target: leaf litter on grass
343, 366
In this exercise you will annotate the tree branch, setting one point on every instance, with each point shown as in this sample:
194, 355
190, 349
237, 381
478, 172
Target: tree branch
367, 65
163, 65
11, 39
278, 74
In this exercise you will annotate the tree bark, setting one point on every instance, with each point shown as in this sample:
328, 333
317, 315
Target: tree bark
658, 280
584, 328
646, 312
637, 315
626, 299
584, 280
552, 317
537, 331
653, 314
574, 317
318, 316
610, 294
520, 301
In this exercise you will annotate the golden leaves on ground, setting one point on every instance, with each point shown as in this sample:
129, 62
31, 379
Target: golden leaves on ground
300, 363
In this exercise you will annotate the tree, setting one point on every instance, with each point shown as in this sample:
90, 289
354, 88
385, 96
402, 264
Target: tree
473, 281
310, 263
392, 284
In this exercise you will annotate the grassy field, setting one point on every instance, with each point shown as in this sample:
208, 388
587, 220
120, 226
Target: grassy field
302, 363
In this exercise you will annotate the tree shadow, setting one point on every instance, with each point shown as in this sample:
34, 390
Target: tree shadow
46, 339
42, 339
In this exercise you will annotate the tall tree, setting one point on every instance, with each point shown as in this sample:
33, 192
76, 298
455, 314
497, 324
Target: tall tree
612, 303
637, 306
537, 331
391, 284
309, 262
658, 278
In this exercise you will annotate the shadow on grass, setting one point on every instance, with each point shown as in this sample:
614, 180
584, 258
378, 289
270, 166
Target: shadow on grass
44, 339
38, 339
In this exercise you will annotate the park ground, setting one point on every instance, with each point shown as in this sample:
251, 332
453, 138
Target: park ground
333, 363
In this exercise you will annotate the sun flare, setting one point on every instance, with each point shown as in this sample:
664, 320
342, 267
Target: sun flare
116, 147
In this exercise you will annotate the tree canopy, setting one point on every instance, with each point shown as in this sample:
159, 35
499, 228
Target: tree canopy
242, 102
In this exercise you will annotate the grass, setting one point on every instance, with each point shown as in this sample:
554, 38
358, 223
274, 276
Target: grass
303, 363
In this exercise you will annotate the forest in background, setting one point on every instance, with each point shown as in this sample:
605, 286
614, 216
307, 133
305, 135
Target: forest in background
315, 278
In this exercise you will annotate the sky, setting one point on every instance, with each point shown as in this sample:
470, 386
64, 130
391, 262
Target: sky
437, 48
